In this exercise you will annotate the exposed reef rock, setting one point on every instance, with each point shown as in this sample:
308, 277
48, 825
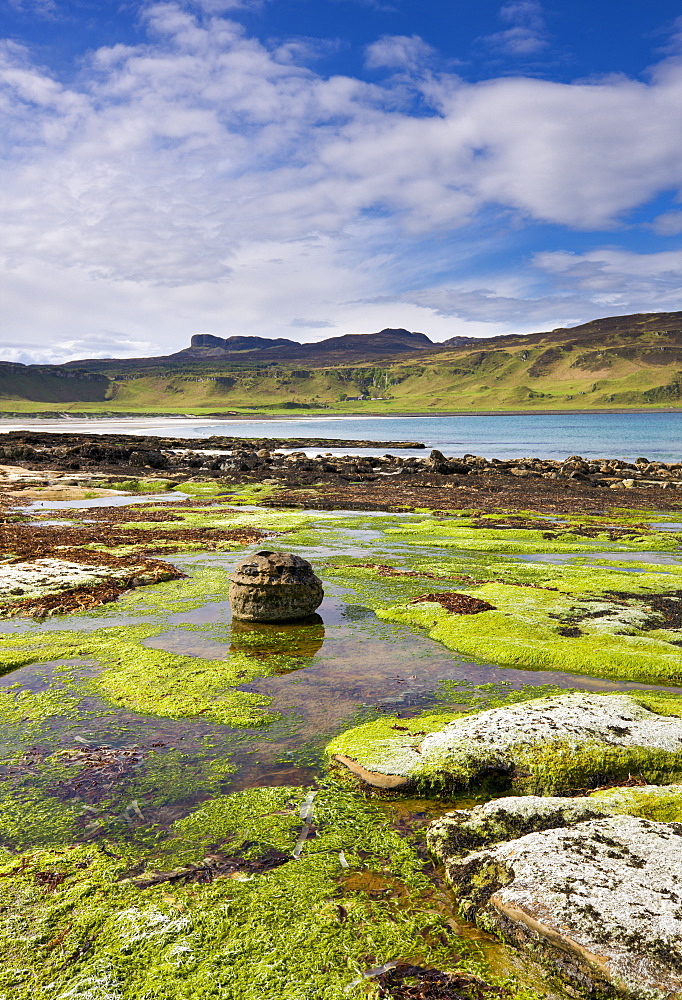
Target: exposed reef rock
464, 830
261, 458
274, 586
600, 902
47, 586
559, 744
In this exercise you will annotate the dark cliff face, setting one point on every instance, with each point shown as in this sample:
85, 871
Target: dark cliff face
207, 340
346, 347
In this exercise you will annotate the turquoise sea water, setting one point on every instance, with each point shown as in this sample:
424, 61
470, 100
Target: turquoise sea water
656, 436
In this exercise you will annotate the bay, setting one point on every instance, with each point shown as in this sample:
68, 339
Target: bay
628, 435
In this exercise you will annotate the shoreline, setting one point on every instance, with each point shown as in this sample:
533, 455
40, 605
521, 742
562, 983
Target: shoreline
68, 418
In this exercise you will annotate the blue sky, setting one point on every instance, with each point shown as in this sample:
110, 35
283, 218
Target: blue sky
306, 168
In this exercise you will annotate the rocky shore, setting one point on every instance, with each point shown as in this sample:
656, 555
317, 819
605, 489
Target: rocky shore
587, 885
40, 458
538, 810
604, 473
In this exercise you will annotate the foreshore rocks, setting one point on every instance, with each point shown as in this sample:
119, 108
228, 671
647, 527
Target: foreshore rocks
599, 901
561, 744
265, 459
74, 581
464, 830
274, 586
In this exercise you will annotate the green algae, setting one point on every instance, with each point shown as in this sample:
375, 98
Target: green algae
30, 709
157, 682
143, 679
218, 515
72, 795
526, 540
146, 680
534, 606
205, 584
74, 925
524, 631
245, 938
142, 485
29, 817
662, 804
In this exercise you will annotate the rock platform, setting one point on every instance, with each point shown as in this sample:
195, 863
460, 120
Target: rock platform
599, 902
559, 744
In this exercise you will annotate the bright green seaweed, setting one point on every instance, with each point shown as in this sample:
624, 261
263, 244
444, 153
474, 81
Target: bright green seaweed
356, 897
311, 926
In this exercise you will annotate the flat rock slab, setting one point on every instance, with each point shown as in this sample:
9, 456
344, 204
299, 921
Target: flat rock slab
600, 902
564, 743
38, 577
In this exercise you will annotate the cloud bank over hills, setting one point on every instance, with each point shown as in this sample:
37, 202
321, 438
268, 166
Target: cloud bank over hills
204, 179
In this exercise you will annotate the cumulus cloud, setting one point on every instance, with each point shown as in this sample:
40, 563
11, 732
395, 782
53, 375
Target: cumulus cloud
204, 178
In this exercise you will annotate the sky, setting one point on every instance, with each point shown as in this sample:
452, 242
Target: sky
310, 168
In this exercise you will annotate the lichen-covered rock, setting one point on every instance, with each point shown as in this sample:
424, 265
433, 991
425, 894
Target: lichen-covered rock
36, 577
599, 902
274, 586
464, 830
559, 744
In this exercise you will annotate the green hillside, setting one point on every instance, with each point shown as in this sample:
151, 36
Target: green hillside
614, 363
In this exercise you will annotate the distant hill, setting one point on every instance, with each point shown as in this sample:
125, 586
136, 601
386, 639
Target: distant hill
620, 362
260, 350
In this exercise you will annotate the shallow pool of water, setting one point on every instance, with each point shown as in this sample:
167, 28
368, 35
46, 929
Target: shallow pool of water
107, 501
558, 558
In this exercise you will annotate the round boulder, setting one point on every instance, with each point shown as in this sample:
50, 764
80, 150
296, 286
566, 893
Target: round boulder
274, 586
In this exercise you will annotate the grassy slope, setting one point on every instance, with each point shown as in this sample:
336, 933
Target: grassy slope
620, 365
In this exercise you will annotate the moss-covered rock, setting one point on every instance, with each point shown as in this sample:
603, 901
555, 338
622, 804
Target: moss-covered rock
658, 802
548, 745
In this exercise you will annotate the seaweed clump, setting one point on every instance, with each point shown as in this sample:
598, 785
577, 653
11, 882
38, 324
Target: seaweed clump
76, 921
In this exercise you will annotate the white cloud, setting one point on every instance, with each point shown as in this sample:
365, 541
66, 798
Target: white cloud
527, 35
39, 8
565, 289
223, 6
406, 52
668, 224
313, 324
619, 279
205, 180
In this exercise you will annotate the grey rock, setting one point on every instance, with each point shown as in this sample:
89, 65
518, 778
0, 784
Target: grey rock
437, 462
34, 578
274, 586
562, 743
464, 830
600, 902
